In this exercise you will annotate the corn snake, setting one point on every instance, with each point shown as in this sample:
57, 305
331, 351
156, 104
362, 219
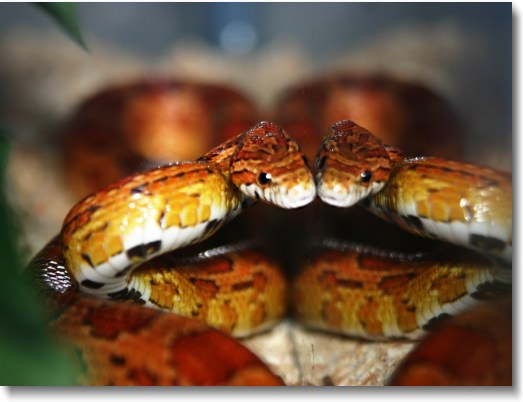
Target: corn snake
219, 152
426, 196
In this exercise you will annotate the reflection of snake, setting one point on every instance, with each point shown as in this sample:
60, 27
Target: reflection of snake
99, 268
397, 296
459, 203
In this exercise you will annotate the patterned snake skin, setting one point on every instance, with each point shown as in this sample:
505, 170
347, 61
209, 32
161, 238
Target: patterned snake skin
113, 246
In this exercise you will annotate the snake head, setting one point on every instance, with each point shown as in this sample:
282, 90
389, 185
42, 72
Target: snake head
351, 164
269, 166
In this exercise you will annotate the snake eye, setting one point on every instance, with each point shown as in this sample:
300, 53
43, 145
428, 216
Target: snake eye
365, 176
264, 178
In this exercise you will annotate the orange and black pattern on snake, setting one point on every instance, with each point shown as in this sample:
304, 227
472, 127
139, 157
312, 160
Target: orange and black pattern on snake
115, 343
461, 204
378, 294
107, 237
112, 241
111, 232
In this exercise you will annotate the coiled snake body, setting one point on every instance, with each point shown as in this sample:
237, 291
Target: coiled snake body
400, 295
109, 234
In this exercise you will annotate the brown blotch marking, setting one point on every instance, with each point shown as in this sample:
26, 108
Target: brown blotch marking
111, 321
242, 285
175, 176
207, 286
374, 263
391, 283
82, 216
100, 229
260, 280
411, 308
407, 320
142, 376
117, 360
350, 284
450, 288
328, 279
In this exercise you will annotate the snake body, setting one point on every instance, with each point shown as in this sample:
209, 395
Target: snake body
460, 203
111, 240
111, 342
108, 234
400, 295
378, 294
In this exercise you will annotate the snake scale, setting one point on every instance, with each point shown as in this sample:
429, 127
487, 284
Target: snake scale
113, 245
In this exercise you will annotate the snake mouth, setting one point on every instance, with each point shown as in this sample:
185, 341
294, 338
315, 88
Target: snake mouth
298, 202
296, 197
338, 196
345, 196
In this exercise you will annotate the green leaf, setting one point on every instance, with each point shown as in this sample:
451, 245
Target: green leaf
28, 355
64, 15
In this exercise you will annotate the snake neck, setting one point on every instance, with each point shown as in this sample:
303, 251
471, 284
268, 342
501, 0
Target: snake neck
459, 203
112, 232
221, 156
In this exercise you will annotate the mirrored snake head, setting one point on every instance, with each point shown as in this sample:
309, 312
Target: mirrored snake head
351, 164
269, 166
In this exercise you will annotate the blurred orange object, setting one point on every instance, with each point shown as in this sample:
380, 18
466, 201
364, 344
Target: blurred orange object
131, 127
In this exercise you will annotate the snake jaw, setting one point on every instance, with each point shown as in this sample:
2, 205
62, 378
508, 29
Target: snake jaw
268, 165
342, 196
351, 165
296, 196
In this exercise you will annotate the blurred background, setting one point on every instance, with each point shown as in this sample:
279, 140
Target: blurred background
462, 51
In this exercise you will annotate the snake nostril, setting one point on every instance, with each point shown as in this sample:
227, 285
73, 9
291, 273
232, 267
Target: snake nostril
321, 163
